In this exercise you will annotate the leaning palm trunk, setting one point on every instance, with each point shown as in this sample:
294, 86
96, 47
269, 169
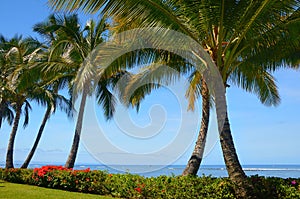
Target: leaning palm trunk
37, 139
10, 147
194, 162
73, 153
243, 187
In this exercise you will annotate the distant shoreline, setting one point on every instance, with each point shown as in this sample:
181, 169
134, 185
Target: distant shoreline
271, 170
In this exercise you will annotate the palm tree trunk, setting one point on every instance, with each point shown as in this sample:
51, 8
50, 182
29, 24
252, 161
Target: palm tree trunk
243, 187
194, 162
37, 139
10, 147
73, 153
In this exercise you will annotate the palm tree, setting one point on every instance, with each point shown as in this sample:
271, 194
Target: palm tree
70, 46
23, 83
240, 36
52, 81
194, 161
246, 72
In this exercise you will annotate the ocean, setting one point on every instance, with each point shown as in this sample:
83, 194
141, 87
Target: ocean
282, 171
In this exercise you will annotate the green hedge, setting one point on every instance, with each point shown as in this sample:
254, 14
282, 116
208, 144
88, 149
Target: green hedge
135, 186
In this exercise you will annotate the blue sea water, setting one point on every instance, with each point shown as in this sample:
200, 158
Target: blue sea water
283, 171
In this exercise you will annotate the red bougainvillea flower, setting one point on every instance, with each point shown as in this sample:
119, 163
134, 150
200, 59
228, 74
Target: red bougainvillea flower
87, 170
138, 189
41, 173
48, 168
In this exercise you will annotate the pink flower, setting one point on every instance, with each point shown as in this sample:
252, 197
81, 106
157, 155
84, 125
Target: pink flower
294, 182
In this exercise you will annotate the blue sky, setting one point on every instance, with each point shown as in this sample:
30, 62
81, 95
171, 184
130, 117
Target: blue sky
263, 135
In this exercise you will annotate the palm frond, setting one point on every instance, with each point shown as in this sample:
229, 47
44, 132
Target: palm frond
258, 81
151, 77
6, 112
106, 99
194, 89
27, 108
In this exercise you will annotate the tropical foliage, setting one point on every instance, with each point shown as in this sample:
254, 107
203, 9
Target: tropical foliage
23, 82
71, 44
135, 186
246, 40
240, 36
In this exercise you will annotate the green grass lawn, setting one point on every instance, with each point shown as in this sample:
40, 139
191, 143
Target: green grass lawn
20, 191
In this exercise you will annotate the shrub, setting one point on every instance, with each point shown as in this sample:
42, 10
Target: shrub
22, 176
135, 186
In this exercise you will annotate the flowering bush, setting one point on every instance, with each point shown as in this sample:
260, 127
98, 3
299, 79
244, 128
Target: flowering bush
22, 176
73, 180
135, 186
